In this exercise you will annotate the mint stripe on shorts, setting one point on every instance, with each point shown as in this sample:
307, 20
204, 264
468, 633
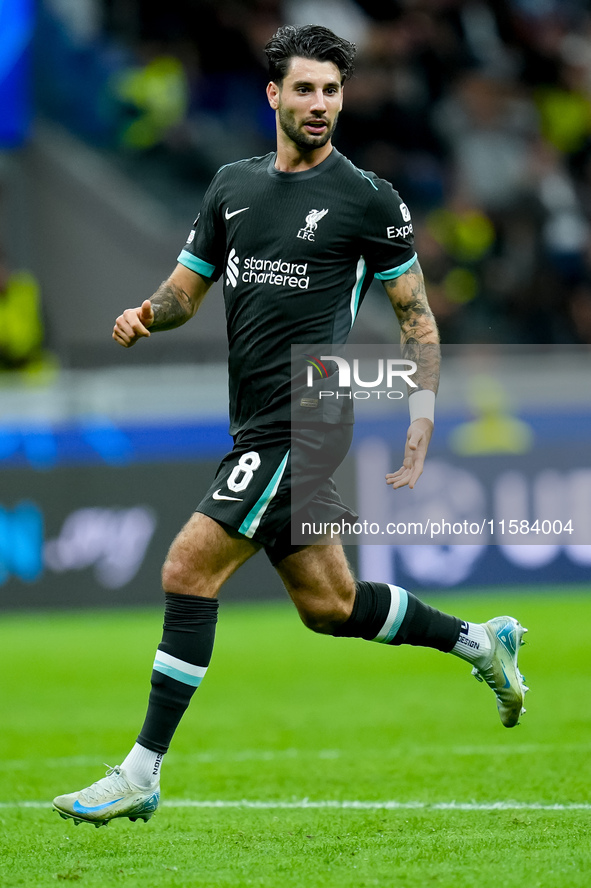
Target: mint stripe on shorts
253, 519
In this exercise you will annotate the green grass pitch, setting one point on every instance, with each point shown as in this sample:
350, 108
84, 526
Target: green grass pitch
286, 716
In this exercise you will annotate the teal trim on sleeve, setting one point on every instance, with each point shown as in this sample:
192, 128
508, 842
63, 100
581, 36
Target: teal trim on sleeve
395, 272
361, 270
195, 264
371, 182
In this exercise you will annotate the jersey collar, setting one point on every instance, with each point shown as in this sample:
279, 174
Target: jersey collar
327, 164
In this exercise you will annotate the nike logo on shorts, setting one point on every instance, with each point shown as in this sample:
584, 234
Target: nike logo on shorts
235, 213
220, 496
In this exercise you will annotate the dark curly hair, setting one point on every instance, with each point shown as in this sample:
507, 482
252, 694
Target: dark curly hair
308, 42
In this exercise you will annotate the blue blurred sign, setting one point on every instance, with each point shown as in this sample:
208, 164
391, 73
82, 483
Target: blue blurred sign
16, 31
21, 542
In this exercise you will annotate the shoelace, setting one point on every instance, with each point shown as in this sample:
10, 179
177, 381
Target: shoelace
98, 791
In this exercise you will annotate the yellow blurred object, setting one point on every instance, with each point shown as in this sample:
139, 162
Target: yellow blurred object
494, 430
467, 236
159, 92
565, 117
21, 326
460, 286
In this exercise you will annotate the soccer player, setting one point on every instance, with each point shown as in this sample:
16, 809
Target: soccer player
297, 236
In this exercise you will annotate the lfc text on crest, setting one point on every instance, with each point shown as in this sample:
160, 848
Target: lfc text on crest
312, 220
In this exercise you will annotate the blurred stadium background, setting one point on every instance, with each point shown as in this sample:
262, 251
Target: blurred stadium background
114, 115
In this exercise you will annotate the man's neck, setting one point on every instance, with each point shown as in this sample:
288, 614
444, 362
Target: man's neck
291, 159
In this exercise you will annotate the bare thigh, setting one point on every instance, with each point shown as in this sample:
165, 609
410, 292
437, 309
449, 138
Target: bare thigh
321, 585
203, 556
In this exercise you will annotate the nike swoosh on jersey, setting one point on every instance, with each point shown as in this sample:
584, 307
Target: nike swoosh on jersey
220, 496
235, 212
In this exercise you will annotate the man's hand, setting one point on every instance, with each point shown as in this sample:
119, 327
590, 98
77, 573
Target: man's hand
417, 442
133, 324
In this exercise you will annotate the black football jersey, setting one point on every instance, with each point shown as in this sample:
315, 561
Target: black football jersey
297, 252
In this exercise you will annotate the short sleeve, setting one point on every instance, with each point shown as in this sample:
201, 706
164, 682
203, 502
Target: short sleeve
387, 239
205, 247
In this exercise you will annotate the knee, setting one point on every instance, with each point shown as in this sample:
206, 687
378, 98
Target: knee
184, 579
175, 576
324, 617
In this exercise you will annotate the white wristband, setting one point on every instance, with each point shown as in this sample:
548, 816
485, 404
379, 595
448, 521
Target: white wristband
421, 405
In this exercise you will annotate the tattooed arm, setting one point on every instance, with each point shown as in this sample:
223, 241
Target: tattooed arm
418, 330
420, 343
175, 301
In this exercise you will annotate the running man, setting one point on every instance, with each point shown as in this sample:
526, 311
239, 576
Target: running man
297, 237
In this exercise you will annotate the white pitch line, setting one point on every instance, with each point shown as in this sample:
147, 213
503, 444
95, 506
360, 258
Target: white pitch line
351, 804
378, 805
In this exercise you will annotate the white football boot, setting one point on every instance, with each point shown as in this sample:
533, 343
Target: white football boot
501, 672
112, 796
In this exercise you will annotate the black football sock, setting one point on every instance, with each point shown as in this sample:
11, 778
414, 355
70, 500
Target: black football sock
181, 662
391, 615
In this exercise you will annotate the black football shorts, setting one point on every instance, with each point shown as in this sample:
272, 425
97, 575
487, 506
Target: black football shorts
275, 476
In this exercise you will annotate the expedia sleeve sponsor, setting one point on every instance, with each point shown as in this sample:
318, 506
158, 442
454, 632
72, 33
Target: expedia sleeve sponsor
387, 232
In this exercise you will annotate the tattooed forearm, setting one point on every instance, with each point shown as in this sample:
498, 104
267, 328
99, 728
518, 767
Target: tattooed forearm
419, 336
427, 357
172, 306
409, 301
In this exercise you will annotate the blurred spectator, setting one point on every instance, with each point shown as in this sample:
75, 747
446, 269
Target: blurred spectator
494, 428
488, 124
580, 313
156, 96
21, 326
345, 17
479, 112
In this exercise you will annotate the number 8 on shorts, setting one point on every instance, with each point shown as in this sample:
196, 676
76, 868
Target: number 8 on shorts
242, 473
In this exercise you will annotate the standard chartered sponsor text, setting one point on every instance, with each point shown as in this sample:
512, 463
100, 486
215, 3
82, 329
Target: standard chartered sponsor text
276, 272
434, 529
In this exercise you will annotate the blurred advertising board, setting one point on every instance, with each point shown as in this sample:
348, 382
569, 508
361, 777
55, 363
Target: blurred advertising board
90, 504
96, 535
505, 496
486, 520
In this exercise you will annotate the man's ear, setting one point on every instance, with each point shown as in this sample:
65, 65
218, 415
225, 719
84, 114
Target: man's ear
273, 93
